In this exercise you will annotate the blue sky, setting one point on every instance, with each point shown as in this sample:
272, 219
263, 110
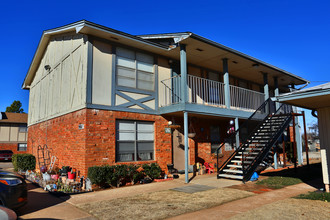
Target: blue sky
293, 35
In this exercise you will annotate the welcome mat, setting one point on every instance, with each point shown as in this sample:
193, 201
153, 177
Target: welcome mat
193, 188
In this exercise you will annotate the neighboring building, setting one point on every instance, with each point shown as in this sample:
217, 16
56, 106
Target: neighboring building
101, 96
13, 132
316, 98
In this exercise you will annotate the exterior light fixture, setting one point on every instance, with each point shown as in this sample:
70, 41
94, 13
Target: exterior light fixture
47, 67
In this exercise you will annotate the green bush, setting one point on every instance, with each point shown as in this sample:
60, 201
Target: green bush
98, 175
153, 170
119, 174
24, 162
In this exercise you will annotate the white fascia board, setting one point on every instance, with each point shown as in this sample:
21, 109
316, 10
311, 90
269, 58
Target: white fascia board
302, 95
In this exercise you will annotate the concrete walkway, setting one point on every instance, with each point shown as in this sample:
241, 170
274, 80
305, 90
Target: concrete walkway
243, 205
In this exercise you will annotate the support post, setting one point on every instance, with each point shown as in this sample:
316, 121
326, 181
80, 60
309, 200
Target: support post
183, 68
284, 152
226, 82
237, 134
266, 86
294, 143
306, 141
186, 146
276, 92
275, 160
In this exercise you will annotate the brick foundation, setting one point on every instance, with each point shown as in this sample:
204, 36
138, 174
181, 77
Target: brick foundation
11, 146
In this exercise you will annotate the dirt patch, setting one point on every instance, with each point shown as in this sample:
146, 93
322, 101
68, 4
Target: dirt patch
160, 205
252, 187
289, 209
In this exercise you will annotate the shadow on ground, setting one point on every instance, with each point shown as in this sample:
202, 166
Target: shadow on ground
311, 175
38, 199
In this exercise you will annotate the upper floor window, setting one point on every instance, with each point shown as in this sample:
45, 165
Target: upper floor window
134, 69
22, 128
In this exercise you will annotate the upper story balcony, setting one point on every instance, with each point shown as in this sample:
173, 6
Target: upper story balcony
208, 94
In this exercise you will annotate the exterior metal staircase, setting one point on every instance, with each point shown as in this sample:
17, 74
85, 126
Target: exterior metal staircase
255, 147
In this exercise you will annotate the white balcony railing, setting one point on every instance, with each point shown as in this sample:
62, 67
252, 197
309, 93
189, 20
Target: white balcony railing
208, 92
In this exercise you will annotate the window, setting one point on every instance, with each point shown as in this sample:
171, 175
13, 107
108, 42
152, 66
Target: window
22, 128
22, 147
215, 138
135, 141
135, 70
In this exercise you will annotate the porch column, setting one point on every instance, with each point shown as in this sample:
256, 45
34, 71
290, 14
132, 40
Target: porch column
237, 134
276, 92
186, 147
183, 68
297, 134
226, 82
266, 86
184, 99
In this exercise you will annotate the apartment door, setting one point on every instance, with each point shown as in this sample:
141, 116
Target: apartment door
178, 150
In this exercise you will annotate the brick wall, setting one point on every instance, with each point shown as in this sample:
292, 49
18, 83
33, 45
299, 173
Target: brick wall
95, 144
11, 146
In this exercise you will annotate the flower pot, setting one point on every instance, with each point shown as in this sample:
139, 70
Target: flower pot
71, 176
55, 177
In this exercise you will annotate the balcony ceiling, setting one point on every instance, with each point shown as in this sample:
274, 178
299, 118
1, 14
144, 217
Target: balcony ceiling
204, 54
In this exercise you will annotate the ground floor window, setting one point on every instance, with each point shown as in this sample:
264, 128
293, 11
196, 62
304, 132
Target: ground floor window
134, 140
22, 147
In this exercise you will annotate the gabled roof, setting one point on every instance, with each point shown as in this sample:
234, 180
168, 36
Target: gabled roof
208, 54
310, 98
9, 117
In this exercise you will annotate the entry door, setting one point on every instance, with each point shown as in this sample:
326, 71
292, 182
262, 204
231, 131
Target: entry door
178, 150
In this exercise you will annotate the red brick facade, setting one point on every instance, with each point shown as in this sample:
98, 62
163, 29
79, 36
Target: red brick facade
11, 146
95, 143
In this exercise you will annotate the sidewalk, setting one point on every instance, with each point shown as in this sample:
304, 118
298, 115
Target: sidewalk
243, 205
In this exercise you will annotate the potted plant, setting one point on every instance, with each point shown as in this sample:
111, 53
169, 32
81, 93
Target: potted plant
55, 173
72, 175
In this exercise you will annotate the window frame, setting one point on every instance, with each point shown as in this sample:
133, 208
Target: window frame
22, 127
135, 141
136, 70
18, 146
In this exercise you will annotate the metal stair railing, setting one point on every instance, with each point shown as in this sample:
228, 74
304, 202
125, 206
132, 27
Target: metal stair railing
268, 108
250, 168
244, 129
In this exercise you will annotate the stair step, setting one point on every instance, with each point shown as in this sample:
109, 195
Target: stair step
248, 153
232, 171
235, 166
239, 161
230, 176
240, 157
254, 148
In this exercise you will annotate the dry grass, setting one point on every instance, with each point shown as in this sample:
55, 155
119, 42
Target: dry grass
163, 204
289, 209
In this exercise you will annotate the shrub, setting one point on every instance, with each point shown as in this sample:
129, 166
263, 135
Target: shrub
24, 162
153, 170
98, 175
133, 173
